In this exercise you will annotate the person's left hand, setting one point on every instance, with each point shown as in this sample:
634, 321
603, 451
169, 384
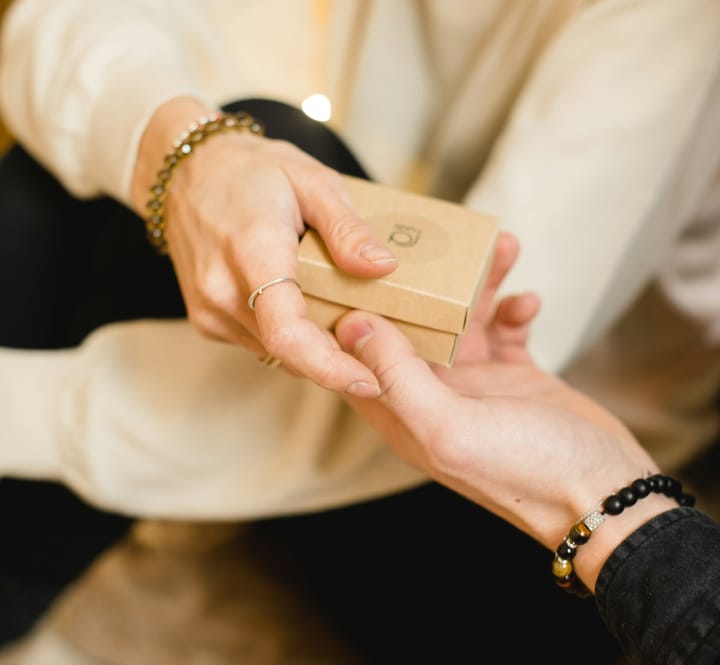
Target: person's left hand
509, 436
498, 330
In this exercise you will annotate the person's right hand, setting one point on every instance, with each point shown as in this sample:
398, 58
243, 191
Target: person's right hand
509, 436
235, 209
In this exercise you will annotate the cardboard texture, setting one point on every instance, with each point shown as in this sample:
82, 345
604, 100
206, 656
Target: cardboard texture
434, 345
444, 252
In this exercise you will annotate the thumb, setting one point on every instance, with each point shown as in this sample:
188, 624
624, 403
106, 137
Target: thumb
409, 387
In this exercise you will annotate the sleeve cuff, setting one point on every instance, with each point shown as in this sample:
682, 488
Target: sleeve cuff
30, 384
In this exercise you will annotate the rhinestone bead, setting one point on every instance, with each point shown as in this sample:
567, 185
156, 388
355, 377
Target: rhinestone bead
593, 519
614, 504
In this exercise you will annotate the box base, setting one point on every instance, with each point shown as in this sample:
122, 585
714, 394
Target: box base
436, 346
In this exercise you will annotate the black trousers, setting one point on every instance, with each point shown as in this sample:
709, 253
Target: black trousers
421, 577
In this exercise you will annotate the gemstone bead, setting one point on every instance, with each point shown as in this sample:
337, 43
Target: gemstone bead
628, 496
561, 567
613, 505
579, 533
659, 483
567, 550
642, 489
672, 487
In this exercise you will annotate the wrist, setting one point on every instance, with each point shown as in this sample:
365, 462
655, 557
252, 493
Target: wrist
183, 147
593, 555
625, 510
166, 124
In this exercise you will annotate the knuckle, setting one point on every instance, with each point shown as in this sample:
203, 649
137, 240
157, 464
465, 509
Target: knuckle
204, 322
332, 179
386, 377
348, 229
280, 340
215, 301
285, 148
324, 377
216, 289
331, 182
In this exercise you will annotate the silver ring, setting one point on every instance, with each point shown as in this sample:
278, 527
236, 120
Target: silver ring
271, 361
258, 292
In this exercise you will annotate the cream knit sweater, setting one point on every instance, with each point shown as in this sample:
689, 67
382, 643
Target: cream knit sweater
589, 128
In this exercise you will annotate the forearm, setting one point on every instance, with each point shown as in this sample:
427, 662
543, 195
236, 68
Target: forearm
604, 160
150, 419
79, 80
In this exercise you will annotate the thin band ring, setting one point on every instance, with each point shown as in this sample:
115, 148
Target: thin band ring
271, 361
259, 291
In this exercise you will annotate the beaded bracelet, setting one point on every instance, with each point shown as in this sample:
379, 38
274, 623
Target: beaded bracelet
579, 534
184, 145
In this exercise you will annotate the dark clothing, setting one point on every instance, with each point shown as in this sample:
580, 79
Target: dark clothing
659, 592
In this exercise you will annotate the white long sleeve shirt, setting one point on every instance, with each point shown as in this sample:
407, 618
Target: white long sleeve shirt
589, 128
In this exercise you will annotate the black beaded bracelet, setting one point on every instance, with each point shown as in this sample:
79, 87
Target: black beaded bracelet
579, 534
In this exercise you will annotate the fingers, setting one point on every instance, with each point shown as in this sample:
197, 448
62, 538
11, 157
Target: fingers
352, 243
252, 241
285, 332
504, 337
409, 387
280, 312
236, 230
510, 328
517, 311
506, 252
513, 317
507, 249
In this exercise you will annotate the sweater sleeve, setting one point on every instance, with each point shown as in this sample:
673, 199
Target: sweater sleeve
79, 80
150, 419
604, 160
659, 592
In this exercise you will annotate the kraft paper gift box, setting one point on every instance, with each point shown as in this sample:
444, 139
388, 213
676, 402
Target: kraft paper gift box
444, 252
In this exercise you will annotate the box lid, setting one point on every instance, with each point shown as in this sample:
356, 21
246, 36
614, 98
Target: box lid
444, 251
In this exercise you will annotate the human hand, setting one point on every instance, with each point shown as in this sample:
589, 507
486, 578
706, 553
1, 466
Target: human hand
507, 435
498, 330
235, 211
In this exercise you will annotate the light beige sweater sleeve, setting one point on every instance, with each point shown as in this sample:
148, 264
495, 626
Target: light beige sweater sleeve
79, 79
148, 418
77, 93
608, 152
152, 420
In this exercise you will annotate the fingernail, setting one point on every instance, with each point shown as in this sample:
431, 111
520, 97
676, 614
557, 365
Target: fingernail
363, 389
364, 333
377, 254
354, 335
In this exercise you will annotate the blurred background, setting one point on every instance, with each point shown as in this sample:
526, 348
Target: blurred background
4, 136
